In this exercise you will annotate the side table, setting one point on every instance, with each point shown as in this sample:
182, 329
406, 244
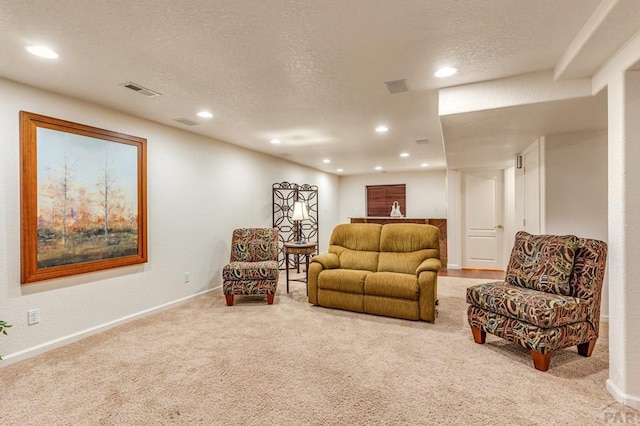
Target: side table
305, 249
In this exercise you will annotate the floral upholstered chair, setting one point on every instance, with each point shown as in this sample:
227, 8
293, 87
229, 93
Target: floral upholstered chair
550, 298
253, 267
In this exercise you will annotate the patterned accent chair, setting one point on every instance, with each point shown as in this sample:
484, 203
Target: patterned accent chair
253, 267
550, 298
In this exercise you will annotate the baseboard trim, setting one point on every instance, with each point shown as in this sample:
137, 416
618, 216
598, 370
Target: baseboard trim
623, 398
70, 338
453, 266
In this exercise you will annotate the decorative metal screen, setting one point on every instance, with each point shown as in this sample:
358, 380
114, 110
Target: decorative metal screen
284, 194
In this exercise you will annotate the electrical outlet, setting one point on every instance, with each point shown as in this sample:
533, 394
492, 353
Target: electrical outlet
186, 277
33, 316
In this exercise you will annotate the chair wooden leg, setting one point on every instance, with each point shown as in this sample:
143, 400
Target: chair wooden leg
541, 361
479, 336
585, 349
229, 298
270, 297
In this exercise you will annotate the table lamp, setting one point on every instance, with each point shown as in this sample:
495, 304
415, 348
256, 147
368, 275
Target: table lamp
300, 213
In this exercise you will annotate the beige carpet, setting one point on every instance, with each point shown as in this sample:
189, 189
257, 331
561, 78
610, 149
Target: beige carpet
296, 364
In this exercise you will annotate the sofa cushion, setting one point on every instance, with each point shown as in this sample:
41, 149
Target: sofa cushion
357, 236
357, 245
403, 246
408, 237
405, 263
267, 270
542, 262
341, 300
345, 280
355, 259
390, 284
542, 309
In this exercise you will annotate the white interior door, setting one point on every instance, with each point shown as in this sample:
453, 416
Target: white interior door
482, 219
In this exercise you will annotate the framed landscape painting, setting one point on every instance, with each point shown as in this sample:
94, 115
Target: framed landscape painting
83, 198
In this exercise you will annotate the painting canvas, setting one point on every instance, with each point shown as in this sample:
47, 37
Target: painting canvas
83, 198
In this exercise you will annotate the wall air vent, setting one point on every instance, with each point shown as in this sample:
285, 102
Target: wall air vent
140, 89
422, 141
186, 121
397, 86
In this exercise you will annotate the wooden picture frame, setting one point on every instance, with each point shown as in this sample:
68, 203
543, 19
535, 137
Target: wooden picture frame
83, 198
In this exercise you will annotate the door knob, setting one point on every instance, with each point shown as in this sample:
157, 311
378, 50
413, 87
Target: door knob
500, 227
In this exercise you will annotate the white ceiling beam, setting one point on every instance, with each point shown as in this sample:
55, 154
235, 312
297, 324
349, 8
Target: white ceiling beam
626, 58
609, 27
522, 89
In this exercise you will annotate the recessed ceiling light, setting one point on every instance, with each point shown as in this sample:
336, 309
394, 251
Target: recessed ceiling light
326, 161
275, 141
378, 167
205, 114
382, 129
339, 170
445, 72
42, 51
424, 165
404, 154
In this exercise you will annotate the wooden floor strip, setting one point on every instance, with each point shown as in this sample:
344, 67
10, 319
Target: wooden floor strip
472, 273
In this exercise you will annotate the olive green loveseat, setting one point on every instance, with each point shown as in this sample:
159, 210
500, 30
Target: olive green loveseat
386, 270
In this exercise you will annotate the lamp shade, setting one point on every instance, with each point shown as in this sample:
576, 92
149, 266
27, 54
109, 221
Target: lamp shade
300, 211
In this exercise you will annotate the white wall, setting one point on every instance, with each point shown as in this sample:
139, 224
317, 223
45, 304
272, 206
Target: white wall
426, 193
576, 190
454, 220
576, 174
510, 218
199, 189
624, 228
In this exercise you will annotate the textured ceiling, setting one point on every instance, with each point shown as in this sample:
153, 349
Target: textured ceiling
309, 73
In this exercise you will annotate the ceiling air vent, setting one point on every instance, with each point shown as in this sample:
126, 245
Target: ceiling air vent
422, 141
140, 89
397, 86
186, 121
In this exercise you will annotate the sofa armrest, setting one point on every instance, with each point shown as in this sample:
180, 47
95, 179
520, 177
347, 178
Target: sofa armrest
431, 264
327, 260
427, 273
318, 264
